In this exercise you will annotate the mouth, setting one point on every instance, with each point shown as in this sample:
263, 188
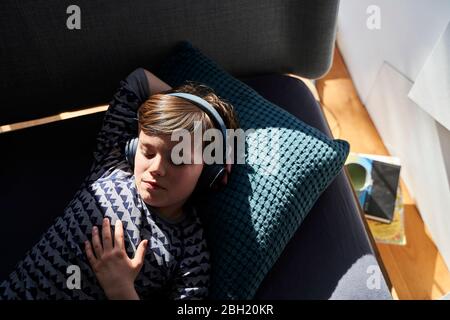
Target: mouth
152, 185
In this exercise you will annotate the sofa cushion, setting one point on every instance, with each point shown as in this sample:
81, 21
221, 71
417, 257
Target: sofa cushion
288, 164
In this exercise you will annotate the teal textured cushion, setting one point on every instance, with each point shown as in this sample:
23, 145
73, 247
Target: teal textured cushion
248, 223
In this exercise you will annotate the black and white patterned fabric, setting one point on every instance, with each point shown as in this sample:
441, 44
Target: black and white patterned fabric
177, 259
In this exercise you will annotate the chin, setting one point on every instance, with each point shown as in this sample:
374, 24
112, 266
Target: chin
153, 203
148, 199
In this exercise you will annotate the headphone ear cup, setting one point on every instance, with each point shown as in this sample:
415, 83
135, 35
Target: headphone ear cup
211, 175
130, 151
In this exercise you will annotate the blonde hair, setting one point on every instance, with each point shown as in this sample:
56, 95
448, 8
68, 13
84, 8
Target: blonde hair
163, 114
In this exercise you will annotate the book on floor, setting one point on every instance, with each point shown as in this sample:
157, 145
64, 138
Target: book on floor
375, 180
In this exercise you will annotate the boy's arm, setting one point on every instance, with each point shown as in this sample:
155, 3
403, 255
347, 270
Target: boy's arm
120, 121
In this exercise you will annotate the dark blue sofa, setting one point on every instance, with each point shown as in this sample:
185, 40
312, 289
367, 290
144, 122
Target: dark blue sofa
48, 68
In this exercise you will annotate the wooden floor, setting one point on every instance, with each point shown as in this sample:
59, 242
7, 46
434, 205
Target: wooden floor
417, 270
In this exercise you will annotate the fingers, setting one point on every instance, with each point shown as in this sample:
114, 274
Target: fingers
107, 241
139, 255
106, 235
118, 235
98, 249
89, 253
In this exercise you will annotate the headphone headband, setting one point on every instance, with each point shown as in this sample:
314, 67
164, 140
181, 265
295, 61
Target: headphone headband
210, 111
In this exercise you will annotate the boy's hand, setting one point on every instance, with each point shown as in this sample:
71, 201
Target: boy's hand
155, 84
114, 270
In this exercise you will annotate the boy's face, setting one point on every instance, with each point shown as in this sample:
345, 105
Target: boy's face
153, 164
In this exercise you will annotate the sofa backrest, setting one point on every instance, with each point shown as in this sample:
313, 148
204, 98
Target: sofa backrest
47, 67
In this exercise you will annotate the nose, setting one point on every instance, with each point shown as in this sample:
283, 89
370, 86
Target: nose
157, 166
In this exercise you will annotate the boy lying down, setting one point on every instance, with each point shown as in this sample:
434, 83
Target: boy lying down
144, 195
